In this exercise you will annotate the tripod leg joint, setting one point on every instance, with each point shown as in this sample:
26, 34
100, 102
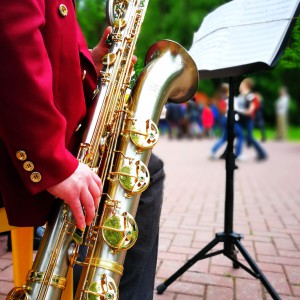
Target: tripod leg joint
223, 236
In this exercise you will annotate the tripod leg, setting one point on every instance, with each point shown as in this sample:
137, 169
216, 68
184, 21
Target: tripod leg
200, 255
256, 269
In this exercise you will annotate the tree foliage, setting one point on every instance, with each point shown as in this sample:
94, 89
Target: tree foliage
178, 20
91, 16
291, 56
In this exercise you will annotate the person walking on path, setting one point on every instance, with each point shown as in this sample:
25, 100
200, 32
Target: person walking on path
245, 107
281, 108
223, 107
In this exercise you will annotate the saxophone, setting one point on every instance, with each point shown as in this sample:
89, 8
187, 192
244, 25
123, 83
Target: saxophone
119, 134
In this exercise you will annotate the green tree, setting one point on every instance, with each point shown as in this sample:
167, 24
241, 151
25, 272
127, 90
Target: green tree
291, 56
91, 17
286, 74
173, 20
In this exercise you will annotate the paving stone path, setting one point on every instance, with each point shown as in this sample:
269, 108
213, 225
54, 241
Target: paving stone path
267, 212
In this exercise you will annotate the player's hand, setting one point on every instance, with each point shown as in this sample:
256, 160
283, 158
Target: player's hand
100, 50
81, 190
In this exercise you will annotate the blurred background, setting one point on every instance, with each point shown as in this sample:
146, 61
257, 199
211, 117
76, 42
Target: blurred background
178, 21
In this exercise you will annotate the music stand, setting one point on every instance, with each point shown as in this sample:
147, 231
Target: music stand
230, 239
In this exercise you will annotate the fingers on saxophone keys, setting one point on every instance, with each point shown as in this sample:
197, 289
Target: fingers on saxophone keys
134, 59
87, 202
76, 208
105, 37
97, 180
96, 189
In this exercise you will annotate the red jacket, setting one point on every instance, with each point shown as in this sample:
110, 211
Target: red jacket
207, 118
42, 58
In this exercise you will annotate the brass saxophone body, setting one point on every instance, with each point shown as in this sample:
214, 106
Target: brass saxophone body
119, 133
170, 74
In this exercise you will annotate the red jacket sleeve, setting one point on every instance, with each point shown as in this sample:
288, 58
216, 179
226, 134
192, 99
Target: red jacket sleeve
30, 120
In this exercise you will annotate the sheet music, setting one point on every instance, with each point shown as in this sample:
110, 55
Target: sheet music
242, 32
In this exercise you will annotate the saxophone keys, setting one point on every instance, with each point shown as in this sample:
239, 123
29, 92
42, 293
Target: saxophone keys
18, 293
109, 40
120, 23
105, 289
109, 59
120, 232
144, 135
78, 236
124, 135
134, 177
85, 153
96, 91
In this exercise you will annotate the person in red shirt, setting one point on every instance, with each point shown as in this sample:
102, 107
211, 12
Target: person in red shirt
43, 92
207, 121
47, 80
238, 132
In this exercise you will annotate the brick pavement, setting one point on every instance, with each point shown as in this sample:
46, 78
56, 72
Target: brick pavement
267, 207
267, 212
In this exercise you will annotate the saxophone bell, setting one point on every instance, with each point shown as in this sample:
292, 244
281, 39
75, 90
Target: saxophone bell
175, 61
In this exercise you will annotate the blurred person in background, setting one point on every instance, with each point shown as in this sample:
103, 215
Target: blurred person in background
259, 120
207, 121
174, 117
193, 114
214, 106
281, 109
238, 132
222, 96
245, 107
163, 123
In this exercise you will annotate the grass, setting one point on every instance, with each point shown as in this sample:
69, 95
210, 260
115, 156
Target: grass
293, 134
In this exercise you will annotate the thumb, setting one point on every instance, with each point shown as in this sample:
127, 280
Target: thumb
102, 42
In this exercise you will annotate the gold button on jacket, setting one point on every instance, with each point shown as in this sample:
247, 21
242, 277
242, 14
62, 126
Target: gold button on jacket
63, 10
35, 177
28, 165
21, 155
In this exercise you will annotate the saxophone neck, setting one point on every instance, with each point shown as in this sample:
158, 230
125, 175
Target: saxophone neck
170, 75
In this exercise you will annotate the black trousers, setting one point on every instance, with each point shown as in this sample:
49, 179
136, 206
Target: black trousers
137, 282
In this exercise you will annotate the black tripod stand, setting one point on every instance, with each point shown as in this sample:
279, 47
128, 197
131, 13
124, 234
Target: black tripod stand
229, 238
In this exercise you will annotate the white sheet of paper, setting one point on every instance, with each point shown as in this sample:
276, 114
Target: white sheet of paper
242, 32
